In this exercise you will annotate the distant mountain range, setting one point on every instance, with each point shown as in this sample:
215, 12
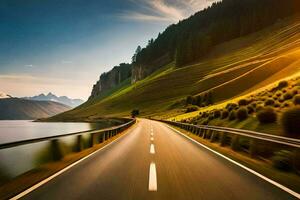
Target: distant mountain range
4, 96
51, 97
22, 109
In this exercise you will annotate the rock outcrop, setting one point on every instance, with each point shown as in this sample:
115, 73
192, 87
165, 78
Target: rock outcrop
112, 79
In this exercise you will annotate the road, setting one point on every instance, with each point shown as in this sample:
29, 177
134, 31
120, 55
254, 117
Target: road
152, 161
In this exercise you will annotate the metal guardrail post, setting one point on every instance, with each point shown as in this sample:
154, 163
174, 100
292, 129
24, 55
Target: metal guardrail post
223, 139
79, 144
56, 150
253, 148
235, 143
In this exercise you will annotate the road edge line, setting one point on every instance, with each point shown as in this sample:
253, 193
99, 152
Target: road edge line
39, 184
282, 187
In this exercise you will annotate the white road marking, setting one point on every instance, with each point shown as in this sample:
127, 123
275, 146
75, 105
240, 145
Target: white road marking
152, 138
152, 178
151, 133
152, 150
34, 187
291, 192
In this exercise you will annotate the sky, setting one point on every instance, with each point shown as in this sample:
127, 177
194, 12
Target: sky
62, 46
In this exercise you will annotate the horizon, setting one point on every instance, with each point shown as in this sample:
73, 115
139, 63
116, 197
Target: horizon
72, 44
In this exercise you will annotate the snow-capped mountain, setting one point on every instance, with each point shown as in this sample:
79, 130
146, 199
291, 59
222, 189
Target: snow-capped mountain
62, 99
4, 95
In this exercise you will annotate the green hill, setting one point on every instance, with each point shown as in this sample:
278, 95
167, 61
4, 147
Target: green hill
229, 70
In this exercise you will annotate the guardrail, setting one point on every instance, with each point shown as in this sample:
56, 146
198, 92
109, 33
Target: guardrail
201, 130
96, 136
232, 136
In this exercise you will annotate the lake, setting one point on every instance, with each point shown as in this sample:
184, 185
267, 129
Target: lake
17, 160
15, 130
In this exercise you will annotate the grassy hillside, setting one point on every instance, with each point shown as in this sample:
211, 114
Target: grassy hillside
21, 109
229, 70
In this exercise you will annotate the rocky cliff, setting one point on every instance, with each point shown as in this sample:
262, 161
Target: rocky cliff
112, 79
142, 70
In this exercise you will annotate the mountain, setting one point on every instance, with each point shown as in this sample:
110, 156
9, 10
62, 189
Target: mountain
51, 97
4, 96
22, 109
237, 61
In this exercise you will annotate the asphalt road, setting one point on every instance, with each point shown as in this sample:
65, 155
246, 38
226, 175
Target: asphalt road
180, 169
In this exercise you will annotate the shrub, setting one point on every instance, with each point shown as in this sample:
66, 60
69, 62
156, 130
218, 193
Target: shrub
225, 114
296, 99
242, 114
294, 92
189, 99
277, 105
243, 102
217, 114
288, 96
283, 160
290, 121
232, 115
191, 109
267, 115
259, 108
250, 109
278, 94
204, 115
135, 112
285, 105
282, 84
231, 106
269, 102
253, 104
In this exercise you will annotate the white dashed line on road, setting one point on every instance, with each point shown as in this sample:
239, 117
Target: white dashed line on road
152, 150
152, 178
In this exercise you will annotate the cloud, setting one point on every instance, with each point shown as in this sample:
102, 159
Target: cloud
165, 10
28, 65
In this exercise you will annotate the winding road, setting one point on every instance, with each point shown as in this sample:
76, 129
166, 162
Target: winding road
152, 161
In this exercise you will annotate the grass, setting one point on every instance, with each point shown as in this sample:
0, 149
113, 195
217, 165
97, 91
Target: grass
230, 70
273, 93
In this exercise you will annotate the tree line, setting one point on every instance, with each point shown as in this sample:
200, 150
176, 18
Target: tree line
190, 39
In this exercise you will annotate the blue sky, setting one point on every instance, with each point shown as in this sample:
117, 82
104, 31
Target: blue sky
62, 46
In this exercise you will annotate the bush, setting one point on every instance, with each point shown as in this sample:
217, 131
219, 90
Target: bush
217, 114
285, 105
250, 109
290, 121
277, 105
243, 102
242, 114
267, 115
191, 109
288, 96
135, 113
278, 94
231, 106
189, 99
232, 115
225, 114
253, 104
204, 115
269, 102
296, 99
282, 84
283, 160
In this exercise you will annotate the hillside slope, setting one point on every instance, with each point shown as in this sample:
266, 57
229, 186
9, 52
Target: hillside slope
228, 70
21, 109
